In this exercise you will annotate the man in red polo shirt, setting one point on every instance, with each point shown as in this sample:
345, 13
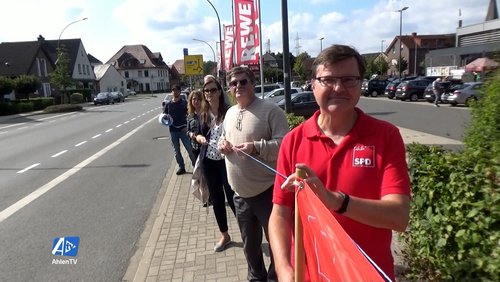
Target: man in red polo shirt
354, 163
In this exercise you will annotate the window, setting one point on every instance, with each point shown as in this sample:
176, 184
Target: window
79, 69
126, 74
88, 69
139, 73
146, 73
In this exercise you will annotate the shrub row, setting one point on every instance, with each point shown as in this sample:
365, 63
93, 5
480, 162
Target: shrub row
454, 232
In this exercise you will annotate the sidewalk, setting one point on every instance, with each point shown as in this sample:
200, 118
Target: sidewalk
180, 244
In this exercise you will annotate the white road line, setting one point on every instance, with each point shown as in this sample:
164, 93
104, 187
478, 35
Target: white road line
133, 118
6, 213
108, 130
22, 127
58, 154
126, 122
95, 136
81, 143
28, 168
118, 125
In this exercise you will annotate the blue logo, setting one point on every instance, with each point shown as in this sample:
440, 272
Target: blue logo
65, 246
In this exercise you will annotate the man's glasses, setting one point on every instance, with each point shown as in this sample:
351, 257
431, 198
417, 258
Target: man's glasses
242, 82
331, 81
238, 120
211, 90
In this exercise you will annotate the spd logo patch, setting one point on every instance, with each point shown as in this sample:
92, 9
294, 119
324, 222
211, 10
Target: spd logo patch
363, 156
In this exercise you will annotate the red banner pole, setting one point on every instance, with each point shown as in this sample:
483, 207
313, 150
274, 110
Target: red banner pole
299, 245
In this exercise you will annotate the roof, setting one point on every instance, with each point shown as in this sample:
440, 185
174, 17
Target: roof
16, 58
179, 66
93, 60
434, 41
100, 70
136, 56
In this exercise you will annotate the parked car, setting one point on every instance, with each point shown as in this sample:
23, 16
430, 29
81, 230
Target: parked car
374, 87
465, 93
390, 89
267, 88
448, 87
412, 89
103, 98
302, 104
278, 94
131, 92
117, 96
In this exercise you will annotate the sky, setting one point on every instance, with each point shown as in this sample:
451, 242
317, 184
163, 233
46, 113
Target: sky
168, 26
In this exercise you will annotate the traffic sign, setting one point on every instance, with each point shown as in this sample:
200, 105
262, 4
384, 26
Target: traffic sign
193, 64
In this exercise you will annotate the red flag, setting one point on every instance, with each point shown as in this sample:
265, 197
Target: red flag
228, 46
331, 255
247, 33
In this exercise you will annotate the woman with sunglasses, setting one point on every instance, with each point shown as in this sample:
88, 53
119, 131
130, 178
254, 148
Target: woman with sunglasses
214, 166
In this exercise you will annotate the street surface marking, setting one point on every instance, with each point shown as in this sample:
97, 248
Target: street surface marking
6, 213
58, 154
81, 143
28, 168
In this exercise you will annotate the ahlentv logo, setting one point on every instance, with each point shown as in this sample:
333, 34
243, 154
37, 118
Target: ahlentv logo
65, 246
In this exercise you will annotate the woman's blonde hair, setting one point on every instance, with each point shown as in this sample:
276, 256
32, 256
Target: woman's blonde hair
195, 93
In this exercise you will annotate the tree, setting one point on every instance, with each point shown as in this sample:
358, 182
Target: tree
404, 65
299, 67
6, 86
61, 77
210, 68
26, 84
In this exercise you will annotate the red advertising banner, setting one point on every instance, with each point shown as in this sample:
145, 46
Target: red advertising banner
247, 32
228, 46
330, 253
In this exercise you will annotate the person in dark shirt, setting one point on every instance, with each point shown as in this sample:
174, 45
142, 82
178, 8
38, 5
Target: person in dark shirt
177, 109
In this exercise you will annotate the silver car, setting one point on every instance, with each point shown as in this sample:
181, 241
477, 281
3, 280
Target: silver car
465, 93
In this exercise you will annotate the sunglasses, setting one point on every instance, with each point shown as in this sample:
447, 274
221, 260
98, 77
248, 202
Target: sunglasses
211, 90
242, 82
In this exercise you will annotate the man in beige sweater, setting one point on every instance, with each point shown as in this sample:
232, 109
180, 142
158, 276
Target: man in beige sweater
255, 127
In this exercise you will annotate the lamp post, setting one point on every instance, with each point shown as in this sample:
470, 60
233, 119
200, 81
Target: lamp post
59, 39
220, 39
321, 44
208, 46
400, 34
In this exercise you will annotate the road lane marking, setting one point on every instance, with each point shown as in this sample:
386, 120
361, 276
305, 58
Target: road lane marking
95, 136
81, 143
118, 125
108, 130
28, 168
58, 154
6, 213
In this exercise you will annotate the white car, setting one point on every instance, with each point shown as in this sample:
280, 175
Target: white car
277, 94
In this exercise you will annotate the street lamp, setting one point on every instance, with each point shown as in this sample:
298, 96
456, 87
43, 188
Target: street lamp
400, 34
321, 44
59, 39
208, 46
220, 38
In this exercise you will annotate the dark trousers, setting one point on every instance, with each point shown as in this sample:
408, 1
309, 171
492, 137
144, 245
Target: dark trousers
437, 97
216, 176
253, 215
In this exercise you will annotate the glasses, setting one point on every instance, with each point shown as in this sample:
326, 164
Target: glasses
238, 120
242, 82
331, 81
211, 90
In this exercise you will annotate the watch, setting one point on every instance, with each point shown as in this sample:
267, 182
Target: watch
345, 203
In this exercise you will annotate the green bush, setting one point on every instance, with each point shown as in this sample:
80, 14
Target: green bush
63, 108
294, 120
454, 232
76, 98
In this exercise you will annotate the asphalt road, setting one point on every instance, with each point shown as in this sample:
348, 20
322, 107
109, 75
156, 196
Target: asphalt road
96, 174
93, 174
